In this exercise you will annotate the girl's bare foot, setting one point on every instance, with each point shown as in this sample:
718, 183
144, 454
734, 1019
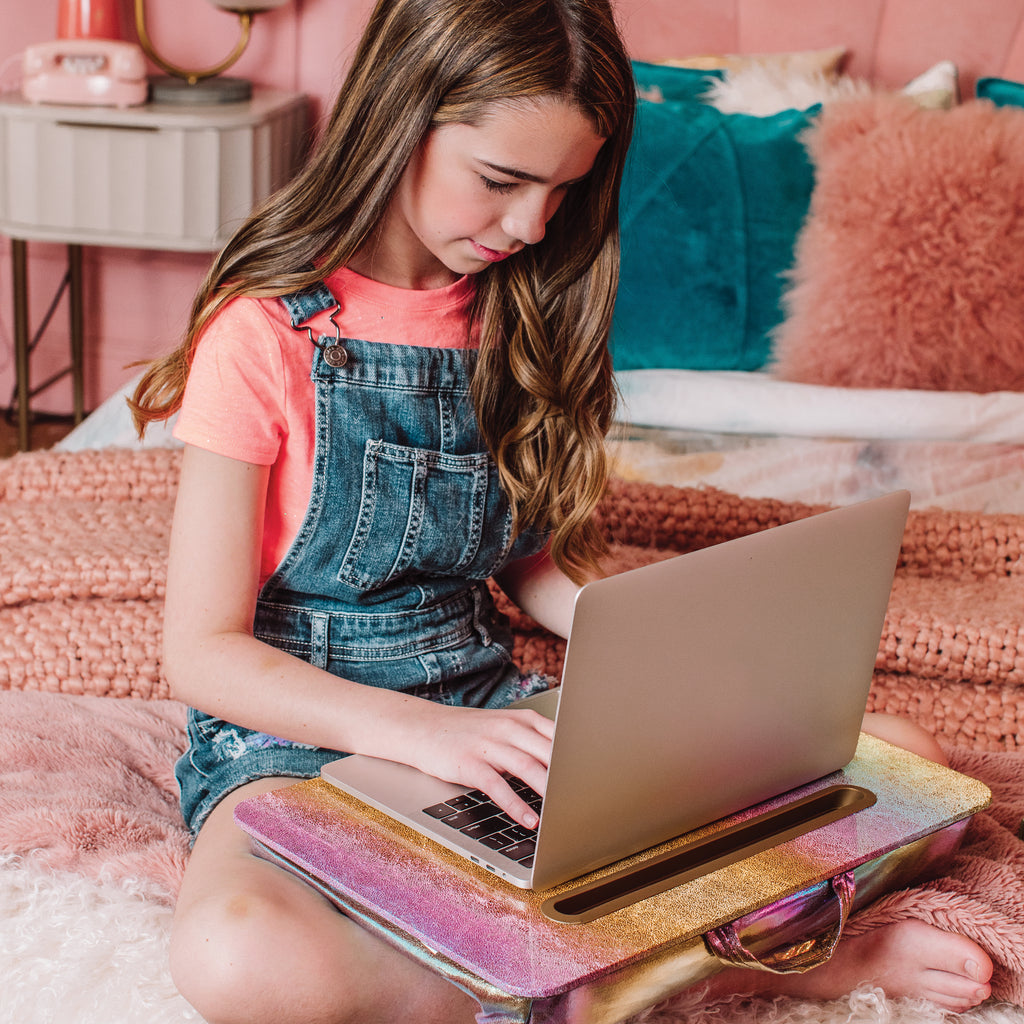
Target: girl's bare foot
909, 958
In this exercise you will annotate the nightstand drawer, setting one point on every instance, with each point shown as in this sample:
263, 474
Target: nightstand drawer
157, 176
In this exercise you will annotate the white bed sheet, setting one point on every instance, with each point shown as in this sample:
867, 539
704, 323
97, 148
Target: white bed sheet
752, 434
110, 426
735, 402
939, 474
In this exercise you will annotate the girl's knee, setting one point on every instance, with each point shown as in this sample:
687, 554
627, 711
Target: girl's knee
211, 955
231, 953
902, 732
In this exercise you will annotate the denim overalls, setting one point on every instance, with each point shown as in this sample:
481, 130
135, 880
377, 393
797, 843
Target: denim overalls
385, 581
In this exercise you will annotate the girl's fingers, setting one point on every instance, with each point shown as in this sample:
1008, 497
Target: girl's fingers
513, 804
525, 756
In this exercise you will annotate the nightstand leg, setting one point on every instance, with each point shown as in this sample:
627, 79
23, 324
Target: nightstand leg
19, 266
77, 331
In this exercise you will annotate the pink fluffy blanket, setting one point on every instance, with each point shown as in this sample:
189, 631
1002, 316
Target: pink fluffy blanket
86, 781
980, 892
87, 785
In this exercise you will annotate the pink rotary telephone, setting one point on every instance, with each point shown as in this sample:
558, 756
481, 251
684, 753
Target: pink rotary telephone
103, 72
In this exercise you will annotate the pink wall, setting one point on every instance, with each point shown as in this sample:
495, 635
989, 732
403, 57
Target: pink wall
136, 301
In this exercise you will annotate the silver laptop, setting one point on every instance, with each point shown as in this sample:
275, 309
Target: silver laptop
692, 688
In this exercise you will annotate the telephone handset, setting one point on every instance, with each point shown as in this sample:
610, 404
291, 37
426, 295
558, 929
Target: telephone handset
97, 72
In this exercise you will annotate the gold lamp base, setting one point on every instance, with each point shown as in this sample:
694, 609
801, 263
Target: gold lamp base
222, 89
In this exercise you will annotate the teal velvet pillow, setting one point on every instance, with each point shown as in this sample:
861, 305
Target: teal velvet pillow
1001, 91
673, 83
711, 204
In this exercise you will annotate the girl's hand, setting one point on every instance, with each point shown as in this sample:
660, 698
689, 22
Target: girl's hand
475, 747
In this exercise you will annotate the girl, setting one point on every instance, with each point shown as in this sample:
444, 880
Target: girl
398, 387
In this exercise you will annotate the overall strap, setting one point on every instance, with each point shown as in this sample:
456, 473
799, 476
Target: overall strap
303, 305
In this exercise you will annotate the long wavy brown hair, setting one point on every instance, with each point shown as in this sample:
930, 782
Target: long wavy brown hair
543, 388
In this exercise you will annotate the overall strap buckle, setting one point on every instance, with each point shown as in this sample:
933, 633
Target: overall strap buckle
303, 305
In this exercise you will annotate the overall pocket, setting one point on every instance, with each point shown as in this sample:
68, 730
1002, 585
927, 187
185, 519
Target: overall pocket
426, 512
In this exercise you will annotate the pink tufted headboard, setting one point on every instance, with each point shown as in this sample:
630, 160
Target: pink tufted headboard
889, 41
137, 302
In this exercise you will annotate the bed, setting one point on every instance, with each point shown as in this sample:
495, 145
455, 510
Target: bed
730, 420
91, 846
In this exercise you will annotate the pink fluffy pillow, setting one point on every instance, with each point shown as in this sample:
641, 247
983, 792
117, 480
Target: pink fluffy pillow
909, 271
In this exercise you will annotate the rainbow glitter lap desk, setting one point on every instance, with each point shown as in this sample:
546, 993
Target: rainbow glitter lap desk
497, 942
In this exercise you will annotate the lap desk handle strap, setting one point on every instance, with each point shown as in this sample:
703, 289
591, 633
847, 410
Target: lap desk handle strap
783, 908
726, 944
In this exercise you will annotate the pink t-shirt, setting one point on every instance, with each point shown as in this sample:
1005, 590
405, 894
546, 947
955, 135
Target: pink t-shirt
249, 395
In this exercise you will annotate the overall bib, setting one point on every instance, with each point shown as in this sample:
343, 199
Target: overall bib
385, 582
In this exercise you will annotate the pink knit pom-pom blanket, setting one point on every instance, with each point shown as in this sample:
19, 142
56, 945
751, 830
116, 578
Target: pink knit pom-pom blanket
83, 542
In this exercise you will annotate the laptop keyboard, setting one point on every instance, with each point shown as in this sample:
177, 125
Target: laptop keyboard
474, 814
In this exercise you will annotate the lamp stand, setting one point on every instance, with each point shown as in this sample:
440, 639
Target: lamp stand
204, 86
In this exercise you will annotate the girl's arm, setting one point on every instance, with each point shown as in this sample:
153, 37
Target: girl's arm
541, 590
213, 662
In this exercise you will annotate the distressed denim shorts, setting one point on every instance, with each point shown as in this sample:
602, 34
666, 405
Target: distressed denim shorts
221, 757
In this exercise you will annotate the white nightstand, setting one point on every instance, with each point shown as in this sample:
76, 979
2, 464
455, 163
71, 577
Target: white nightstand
159, 176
